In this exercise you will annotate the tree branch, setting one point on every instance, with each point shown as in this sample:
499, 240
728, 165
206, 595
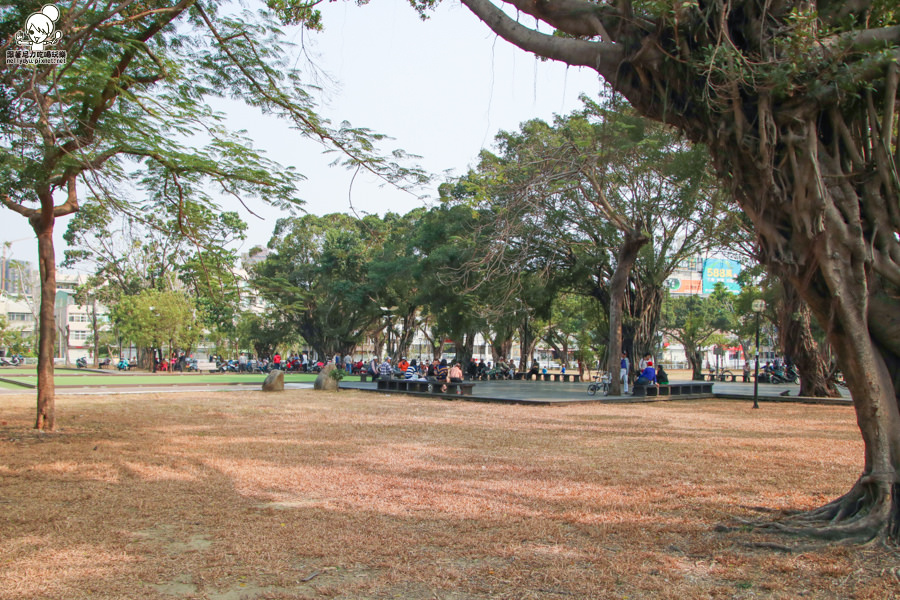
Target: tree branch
71, 204
603, 57
16, 207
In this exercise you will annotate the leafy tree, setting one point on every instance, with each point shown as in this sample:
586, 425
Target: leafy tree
129, 107
797, 102
316, 279
569, 317
395, 273
696, 323
264, 333
602, 202
157, 319
445, 239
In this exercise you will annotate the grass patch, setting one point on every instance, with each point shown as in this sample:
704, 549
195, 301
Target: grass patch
363, 496
129, 379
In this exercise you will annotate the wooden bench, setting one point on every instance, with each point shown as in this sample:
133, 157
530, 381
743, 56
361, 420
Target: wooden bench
420, 386
674, 389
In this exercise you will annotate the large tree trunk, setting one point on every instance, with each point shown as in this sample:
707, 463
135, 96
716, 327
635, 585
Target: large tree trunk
643, 307
870, 508
46, 392
797, 340
694, 357
626, 256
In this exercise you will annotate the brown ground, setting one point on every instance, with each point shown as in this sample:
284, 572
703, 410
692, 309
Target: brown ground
252, 496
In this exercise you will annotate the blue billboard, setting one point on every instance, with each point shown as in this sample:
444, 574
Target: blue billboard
716, 270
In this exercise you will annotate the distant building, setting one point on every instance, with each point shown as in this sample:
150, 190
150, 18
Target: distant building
18, 278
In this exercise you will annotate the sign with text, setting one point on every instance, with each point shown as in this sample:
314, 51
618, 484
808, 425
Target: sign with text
679, 286
36, 40
721, 270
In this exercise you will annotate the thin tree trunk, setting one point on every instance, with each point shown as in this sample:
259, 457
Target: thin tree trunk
96, 332
627, 255
46, 391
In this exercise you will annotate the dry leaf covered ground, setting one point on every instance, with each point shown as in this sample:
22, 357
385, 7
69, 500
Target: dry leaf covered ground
246, 495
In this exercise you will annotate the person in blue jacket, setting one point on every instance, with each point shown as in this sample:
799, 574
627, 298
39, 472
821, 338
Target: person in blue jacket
647, 376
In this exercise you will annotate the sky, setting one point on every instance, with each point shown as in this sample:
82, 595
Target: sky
441, 88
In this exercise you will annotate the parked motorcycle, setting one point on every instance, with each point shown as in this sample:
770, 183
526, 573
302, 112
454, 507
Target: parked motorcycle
13, 361
788, 375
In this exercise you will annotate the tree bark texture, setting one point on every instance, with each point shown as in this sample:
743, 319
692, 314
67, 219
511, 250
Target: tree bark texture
795, 334
806, 142
46, 391
626, 256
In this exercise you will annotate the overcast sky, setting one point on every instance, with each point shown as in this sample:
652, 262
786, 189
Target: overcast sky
441, 88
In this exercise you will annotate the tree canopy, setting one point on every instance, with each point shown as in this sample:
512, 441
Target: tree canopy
129, 108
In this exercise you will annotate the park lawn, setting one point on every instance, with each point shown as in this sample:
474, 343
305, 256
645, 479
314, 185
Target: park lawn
128, 379
304, 494
16, 371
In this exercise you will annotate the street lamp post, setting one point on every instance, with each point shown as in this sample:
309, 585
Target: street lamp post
759, 305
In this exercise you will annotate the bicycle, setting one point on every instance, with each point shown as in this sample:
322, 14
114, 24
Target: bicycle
599, 383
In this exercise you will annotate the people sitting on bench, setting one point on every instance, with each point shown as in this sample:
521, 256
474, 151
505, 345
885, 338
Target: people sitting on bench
662, 378
454, 375
647, 376
412, 372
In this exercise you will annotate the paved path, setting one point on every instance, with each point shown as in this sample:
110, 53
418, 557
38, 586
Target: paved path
519, 392
553, 392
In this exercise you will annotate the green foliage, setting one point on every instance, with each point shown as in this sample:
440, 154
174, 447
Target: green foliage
697, 322
156, 318
315, 278
556, 202
15, 340
264, 334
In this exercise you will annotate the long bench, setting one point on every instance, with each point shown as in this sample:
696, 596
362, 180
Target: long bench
424, 387
674, 389
566, 377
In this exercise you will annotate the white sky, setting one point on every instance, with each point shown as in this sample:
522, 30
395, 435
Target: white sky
441, 88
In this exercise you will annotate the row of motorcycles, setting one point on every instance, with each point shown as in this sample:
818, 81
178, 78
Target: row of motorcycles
263, 366
779, 374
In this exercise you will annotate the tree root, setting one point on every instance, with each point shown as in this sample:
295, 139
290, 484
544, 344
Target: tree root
868, 513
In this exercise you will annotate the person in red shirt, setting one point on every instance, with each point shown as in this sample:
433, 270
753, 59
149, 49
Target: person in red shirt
403, 365
276, 361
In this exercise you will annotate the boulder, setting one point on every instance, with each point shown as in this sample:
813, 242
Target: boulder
325, 381
274, 382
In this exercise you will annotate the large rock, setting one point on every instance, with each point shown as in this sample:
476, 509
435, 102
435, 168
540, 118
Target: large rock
325, 381
274, 381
